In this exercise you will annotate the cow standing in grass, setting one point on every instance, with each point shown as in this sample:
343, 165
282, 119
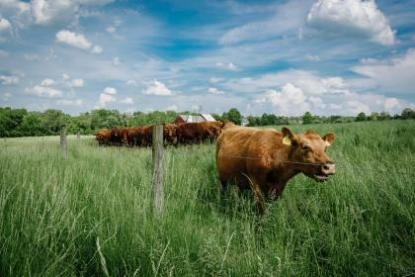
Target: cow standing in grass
264, 160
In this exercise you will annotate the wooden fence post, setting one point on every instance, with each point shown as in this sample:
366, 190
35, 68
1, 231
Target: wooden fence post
64, 143
158, 168
78, 135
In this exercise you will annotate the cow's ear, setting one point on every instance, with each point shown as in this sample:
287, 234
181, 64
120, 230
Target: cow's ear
329, 138
288, 137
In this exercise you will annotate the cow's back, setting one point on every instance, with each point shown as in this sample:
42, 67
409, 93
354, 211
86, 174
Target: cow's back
232, 151
242, 151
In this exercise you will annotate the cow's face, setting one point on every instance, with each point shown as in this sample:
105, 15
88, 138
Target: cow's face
308, 153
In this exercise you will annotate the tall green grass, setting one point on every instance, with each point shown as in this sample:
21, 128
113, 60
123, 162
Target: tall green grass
91, 214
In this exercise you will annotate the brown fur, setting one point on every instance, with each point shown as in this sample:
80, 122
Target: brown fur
258, 160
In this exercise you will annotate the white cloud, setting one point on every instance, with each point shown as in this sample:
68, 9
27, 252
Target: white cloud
172, 108
116, 61
312, 58
6, 96
73, 39
4, 24
97, 49
127, 100
107, 96
46, 12
77, 83
215, 91
70, 102
111, 29
290, 99
132, 83
47, 82
228, 66
351, 17
215, 80
65, 77
392, 75
44, 91
20, 6
9, 80
158, 88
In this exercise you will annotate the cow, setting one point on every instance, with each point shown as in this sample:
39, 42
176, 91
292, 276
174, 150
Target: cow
119, 136
189, 133
103, 136
264, 160
147, 135
135, 136
211, 130
170, 133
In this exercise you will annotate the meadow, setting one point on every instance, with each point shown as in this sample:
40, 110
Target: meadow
91, 215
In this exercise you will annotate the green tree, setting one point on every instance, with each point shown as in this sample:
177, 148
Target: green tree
408, 113
361, 116
233, 115
307, 118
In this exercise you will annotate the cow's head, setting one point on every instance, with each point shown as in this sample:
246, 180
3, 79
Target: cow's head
308, 153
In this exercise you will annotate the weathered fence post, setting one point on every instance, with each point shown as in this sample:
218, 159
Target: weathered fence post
64, 143
78, 135
158, 168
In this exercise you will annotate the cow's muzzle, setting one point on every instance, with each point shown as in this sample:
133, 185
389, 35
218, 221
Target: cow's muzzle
325, 171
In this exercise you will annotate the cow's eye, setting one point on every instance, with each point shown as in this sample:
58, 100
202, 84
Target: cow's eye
306, 148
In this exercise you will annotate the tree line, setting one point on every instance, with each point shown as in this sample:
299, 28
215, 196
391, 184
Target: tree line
20, 122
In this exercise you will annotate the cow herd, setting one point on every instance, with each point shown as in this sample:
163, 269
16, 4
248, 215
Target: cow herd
173, 134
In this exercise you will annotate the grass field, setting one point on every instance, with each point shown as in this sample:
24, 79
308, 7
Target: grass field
91, 214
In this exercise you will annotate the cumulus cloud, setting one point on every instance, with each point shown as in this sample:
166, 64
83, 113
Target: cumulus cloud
132, 83
215, 91
294, 91
351, 17
70, 102
107, 96
77, 83
44, 91
97, 49
47, 82
127, 100
73, 39
285, 100
227, 65
4, 24
111, 29
158, 88
9, 80
392, 75
6, 96
49, 11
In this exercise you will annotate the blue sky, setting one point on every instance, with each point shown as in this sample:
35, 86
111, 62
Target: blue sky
284, 57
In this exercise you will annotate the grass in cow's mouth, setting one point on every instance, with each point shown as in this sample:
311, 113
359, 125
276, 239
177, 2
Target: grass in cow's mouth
53, 212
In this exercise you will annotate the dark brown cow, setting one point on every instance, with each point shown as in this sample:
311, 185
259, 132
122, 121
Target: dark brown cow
170, 133
147, 135
264, 159
103, 136
135, 136
119, 136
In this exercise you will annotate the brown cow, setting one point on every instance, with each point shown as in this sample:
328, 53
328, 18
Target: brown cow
170, 133
135, 136
264, 159
103, 136
119, 136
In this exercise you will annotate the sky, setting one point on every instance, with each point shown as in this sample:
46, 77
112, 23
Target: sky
329, 57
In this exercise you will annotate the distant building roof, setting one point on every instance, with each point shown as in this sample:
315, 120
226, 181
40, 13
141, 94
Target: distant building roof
185, 118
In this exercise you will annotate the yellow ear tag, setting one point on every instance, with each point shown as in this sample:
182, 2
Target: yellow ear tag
286, 141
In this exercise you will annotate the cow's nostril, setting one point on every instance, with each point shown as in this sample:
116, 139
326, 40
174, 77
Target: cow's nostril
326, 167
